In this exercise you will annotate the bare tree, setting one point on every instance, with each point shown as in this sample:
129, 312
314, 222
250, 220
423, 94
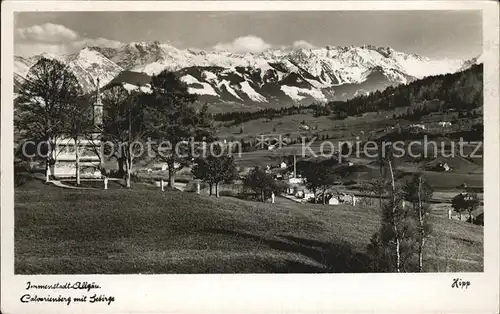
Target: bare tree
378, 188
393, 246
395, 205
419, 193
123, 125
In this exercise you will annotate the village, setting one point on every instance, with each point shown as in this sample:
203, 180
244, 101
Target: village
294, 188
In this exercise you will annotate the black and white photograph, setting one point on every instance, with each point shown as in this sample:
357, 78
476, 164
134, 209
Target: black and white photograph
249, 142
227, 152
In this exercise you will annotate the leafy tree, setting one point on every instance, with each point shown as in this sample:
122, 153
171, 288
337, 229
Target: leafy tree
419, 192
45, 98
319, 178
465, 202
171, 118
473, 204
261, 183
214, 170
123, 125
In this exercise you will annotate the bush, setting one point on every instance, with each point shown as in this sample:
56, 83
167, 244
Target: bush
112, 173
134, 177
20, 179
21, 174
191, 186
229, 193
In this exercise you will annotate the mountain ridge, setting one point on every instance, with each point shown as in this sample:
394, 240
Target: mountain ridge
269, 78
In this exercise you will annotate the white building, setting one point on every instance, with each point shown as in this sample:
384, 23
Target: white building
444, 124
418, 126
299, 194
89, 160
283, 165
296, 180
308, 195
333, 201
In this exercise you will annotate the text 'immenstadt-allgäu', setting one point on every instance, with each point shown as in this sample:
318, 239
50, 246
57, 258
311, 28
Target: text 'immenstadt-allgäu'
46, 293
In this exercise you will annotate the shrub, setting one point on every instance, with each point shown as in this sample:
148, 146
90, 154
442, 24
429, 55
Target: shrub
21, 174
191, 186
112, 173
134, 177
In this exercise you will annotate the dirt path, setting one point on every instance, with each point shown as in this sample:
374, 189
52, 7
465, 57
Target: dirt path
62, 185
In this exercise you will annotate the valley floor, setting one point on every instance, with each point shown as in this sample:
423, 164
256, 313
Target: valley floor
144, 230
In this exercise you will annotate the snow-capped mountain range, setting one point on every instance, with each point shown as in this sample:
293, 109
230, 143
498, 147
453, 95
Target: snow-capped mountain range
87, 65
252, 80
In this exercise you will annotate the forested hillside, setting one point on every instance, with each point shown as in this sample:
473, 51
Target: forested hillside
462, 91
459, 91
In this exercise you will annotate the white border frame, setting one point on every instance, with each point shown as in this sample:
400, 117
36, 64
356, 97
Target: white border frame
426, 292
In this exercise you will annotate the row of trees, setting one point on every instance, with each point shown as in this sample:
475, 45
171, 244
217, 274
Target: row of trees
215, 170
52, 106
238, 117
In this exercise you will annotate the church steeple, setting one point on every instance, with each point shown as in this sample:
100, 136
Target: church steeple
98, 107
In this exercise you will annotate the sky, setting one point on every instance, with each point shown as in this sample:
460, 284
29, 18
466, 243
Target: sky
434, 34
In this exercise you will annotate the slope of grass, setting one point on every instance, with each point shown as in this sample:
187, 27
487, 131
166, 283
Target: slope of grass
322, 125
59, 231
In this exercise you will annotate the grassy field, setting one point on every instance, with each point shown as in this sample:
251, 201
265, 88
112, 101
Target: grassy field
349, 127
144, 230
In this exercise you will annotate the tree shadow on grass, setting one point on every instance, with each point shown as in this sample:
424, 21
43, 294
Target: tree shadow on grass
334, 257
